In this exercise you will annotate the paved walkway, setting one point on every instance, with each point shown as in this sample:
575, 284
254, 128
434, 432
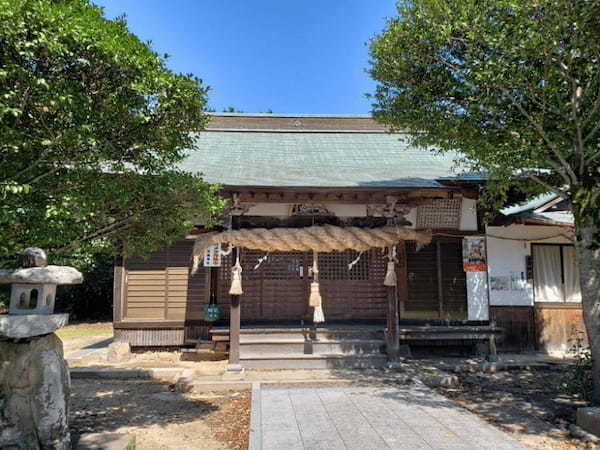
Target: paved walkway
79, 348
411, 417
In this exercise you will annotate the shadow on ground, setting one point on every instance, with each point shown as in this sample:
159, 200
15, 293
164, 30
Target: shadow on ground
106, 405
525, 401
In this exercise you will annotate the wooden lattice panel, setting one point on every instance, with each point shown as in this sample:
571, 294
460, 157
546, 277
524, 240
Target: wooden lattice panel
334, 266
276, 265
283, 266
278, 290
439, 213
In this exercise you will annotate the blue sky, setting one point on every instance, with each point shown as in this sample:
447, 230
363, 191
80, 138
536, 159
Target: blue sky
291, 57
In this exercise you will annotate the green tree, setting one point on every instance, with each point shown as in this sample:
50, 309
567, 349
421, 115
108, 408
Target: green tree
514, 86
92, 126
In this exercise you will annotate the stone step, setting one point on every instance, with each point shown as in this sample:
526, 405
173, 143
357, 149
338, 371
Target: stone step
301, 361
260, 335
287, 347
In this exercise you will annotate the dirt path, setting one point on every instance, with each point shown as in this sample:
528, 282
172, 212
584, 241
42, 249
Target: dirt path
160, 418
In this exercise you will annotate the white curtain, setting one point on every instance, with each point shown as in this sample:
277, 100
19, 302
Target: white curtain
547, 276
572, 285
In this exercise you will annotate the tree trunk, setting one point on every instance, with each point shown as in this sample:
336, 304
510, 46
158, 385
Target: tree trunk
589, 272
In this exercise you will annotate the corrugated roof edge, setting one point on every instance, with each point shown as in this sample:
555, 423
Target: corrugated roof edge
340, 116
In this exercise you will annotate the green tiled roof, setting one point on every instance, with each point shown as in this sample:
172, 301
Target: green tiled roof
315, 159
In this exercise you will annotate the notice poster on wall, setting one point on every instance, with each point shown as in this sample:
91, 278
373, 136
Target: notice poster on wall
474, 254
212, 256
517, 281
500, 283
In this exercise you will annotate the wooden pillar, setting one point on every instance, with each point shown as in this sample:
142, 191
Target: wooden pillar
402, 277
393, 341
119, 289
440, 280
234, 317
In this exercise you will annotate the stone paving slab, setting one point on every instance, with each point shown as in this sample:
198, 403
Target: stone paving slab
361, 418
88, 350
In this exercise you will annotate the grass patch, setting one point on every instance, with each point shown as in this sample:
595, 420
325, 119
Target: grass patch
66, 333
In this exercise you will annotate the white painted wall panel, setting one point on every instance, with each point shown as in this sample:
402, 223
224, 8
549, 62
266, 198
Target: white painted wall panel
270, 209
477, 296
468, 215
506, 257
341, 210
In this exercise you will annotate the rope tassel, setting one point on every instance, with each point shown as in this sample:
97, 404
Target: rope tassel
318, 316
236, 278
315, 300
390, 276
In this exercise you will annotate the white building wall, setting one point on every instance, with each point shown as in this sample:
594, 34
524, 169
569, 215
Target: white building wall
507, 257
342, 210
468, 215
270, 209
477, 296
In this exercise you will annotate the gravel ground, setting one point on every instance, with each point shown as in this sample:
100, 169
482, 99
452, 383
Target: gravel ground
159, 417
526, 403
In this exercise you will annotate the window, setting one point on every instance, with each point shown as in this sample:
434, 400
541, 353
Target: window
555, 273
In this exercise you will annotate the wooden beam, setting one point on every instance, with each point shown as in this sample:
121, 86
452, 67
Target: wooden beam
334, 195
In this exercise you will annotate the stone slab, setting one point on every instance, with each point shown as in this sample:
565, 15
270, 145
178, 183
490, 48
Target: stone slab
164, 374
368, 417
589, 419
104, 441
30, 325
37, 275
255, 419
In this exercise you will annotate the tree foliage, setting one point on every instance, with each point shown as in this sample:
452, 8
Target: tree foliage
93, 125
512, 84
514, 87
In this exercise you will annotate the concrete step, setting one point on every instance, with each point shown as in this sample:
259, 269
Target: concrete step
301, 361
288, 347
336, 334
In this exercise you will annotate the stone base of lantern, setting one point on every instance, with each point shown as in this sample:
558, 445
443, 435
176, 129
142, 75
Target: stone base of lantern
30, 325
34, 392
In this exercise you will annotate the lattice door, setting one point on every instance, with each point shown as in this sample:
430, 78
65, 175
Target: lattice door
353, 294
277, 290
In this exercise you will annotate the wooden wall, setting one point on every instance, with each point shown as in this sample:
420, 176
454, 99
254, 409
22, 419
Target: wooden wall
161, 287
437, 286
547, 327
160, 295
518, 325
558, 326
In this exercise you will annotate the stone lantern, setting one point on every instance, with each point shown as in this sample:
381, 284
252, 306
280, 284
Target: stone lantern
33, 294
33, 288
34, 377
